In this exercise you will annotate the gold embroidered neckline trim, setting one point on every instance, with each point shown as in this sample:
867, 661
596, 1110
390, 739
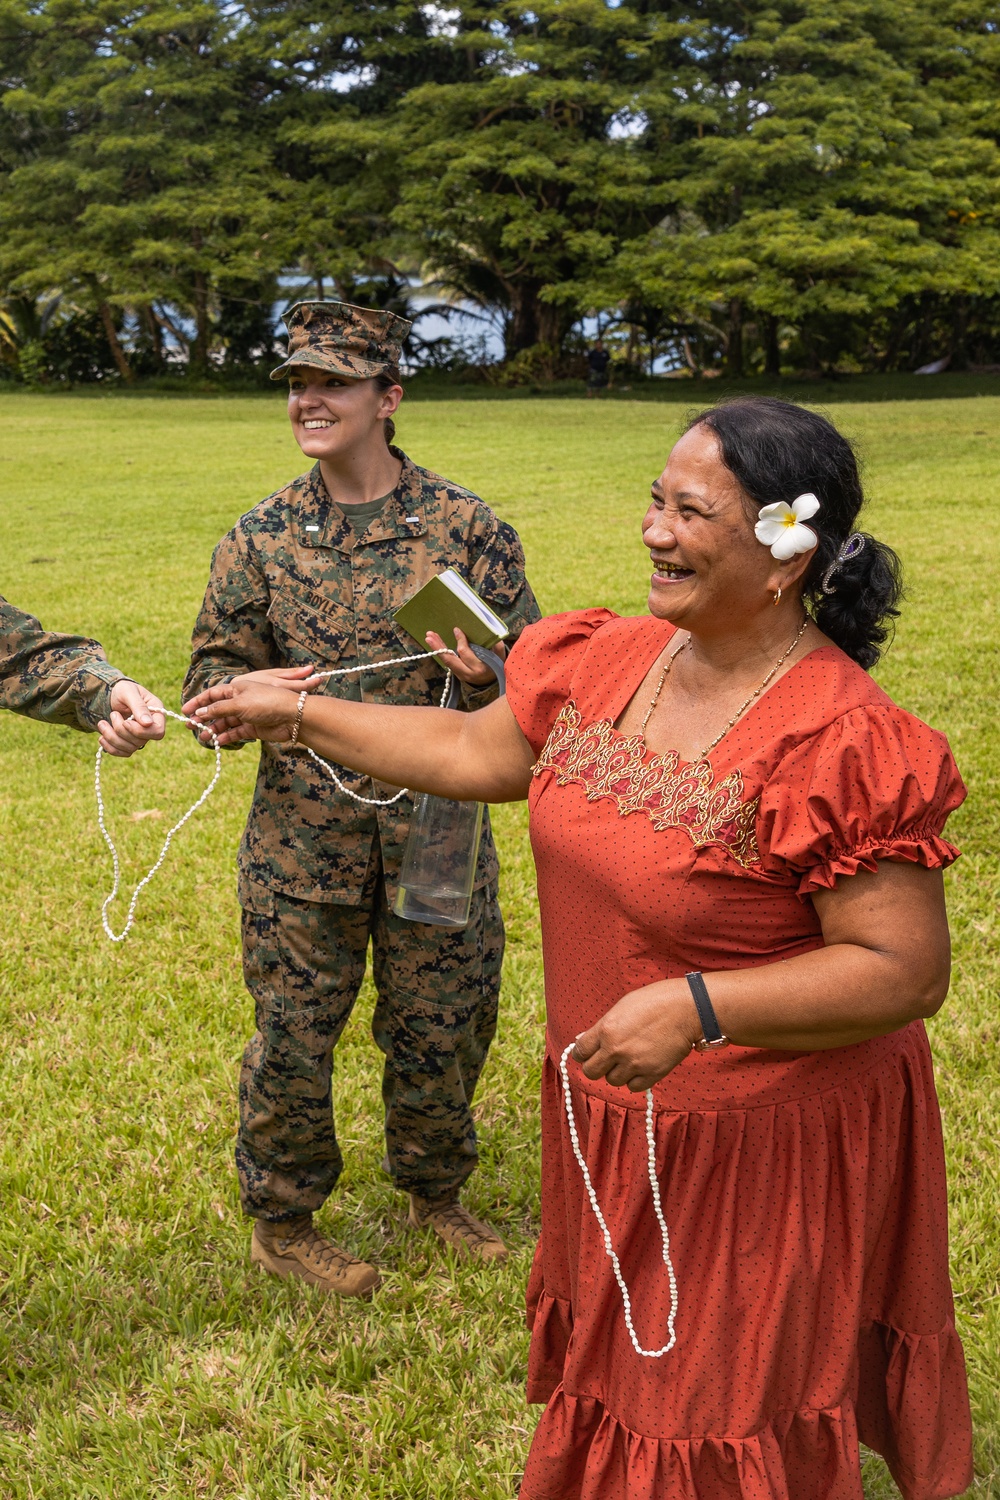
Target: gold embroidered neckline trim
674, 794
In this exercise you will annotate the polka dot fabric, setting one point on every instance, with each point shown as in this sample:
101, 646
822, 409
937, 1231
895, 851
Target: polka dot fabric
805, 1192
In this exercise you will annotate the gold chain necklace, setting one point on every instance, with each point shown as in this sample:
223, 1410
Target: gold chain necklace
743, 707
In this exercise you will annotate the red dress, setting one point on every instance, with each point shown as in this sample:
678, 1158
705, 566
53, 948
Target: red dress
804, 1191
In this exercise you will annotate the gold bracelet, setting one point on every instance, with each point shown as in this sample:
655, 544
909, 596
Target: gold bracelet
298, 718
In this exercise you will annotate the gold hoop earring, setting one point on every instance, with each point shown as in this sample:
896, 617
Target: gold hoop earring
777, 597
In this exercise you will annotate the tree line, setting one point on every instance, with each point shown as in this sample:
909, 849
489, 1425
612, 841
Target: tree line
721, 185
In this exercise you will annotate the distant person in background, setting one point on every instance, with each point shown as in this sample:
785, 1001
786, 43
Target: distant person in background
598, 360
310, 578
67, 679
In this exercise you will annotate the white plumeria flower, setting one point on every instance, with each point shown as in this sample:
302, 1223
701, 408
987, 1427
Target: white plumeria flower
780, 527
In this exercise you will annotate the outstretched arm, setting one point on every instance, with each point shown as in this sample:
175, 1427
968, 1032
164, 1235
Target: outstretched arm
67, 679
480, 757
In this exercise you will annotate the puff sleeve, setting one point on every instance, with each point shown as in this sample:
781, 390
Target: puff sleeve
875, 784
541, 667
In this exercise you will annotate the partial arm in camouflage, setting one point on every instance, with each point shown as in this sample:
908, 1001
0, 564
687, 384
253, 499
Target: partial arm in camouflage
62, 679
232, 634
497, 573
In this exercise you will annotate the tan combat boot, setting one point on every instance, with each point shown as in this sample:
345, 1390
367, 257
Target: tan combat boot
294, 1248
456, 1226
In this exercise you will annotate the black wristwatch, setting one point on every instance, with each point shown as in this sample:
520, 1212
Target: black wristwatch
711, 1030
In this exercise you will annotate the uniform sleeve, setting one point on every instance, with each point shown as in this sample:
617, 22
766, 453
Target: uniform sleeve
876, 784
497, 573
61, 679
232, 633
542, 665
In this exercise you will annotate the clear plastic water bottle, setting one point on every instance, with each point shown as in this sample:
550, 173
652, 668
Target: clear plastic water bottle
439, 862
438, 872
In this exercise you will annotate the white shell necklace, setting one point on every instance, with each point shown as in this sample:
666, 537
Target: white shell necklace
657, 1209
119, 937
372, 667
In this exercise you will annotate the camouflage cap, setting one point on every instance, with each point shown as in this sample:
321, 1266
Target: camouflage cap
356, 341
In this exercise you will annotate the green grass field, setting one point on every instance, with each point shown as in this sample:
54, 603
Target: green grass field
140, 1357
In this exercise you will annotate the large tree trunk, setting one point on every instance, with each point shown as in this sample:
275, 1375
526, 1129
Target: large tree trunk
815, 364
734, 346
155, 332
554, 323
772, 349
959, 348
522, 330
924, 348
114, 344
890, 354
199, 351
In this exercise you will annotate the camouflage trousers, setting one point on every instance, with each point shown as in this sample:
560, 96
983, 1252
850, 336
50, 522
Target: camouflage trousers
434, 1020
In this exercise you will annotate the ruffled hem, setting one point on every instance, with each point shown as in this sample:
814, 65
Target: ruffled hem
921, 847
582, 1452
913, 1407
910, 1400
551, 1322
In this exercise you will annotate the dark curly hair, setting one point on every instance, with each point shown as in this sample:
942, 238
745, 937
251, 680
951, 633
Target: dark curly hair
777, 451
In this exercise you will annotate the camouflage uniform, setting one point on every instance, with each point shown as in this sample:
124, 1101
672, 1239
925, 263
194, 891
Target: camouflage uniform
434, 1020
63, 679
291, 584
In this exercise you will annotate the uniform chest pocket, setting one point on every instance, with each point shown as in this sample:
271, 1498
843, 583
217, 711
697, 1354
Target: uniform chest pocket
307, 634
400, 589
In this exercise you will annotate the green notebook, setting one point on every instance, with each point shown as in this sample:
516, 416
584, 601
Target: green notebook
445, 601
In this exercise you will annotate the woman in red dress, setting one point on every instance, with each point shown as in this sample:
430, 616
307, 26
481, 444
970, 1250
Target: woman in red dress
738, 839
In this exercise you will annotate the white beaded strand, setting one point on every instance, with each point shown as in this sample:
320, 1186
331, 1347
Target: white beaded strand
119, 937
393, 661
357, 797
343, 672
657, 1206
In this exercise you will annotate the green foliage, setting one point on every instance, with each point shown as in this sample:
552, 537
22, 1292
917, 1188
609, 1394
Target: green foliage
830, 161
136, 168
764, 185
51, 341
516, 187
140, 1355
31, 363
